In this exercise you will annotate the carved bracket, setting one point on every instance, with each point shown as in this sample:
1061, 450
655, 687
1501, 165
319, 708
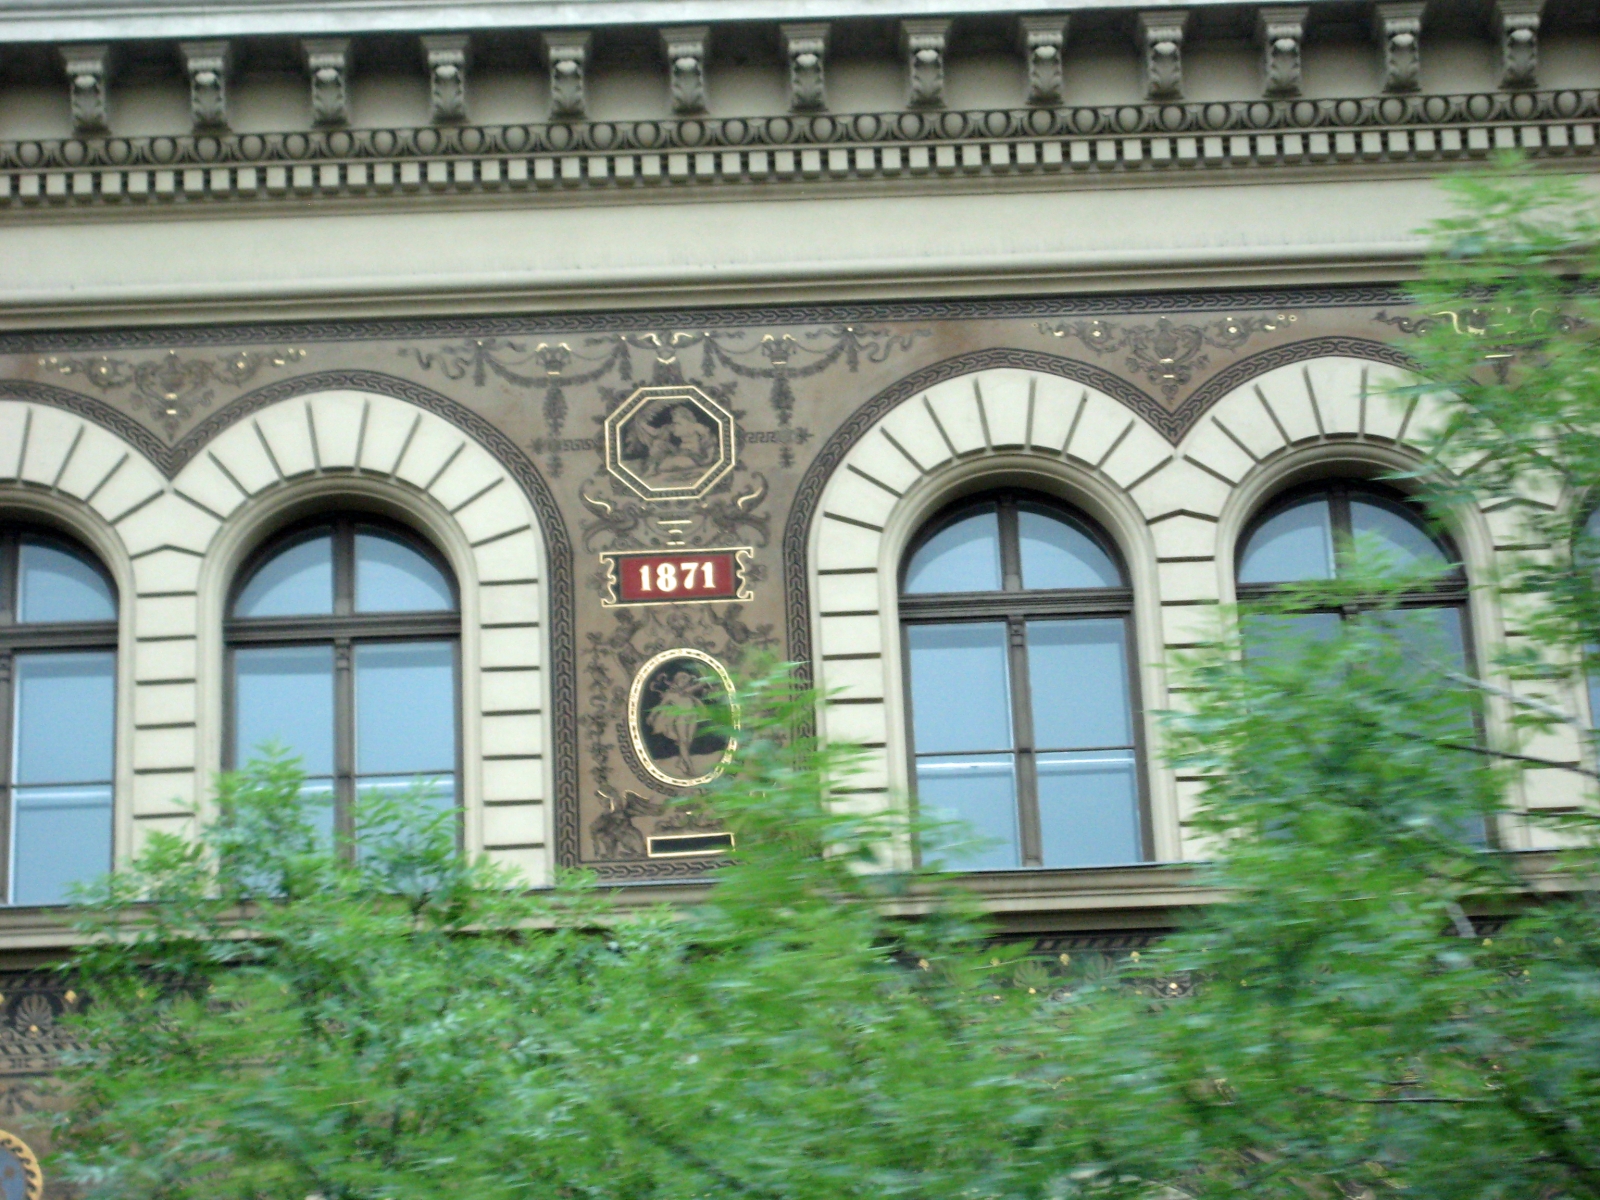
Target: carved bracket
568, 55
686, 51
447, 77
923, 42
1398, 26
1517, 23
88, 72
1043, 41
328, 63
206, 64
805, 48
1282, 33
1161, 36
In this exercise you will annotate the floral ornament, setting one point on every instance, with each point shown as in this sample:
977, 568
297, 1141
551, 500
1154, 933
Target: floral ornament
170, 388
1166, 352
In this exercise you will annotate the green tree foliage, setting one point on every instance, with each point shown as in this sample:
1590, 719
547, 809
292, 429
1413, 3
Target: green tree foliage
274, 1021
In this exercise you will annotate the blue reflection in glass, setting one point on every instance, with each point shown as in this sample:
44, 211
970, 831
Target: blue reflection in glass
295, 582
1056, 554
393, 576
1396, 532
1089, 808
284, 694
978, 794
64, 717
1078, 678
60, 836
960, 689
57, 583
61, 804
1270, 635
405, 708
963, 557
1296, 544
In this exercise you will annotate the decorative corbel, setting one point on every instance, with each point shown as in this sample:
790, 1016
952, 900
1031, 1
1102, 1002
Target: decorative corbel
1043, 42
1161, 38
686, 49
1282, 32
805, 48
447, 56
1398, 26
1517, 24
88, 83
923, 42
568, 55
328, 64
206, 64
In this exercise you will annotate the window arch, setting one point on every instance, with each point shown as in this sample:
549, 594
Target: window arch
343, 642
1018, 638
58, 653
1307, 534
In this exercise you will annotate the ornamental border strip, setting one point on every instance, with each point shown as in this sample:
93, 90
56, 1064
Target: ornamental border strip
644, 154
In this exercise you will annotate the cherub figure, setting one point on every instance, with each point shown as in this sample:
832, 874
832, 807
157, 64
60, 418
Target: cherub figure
680, 712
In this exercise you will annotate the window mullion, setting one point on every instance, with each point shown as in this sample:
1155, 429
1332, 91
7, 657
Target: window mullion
1022, 739
10, 576
344, 567
344, 741
7, 773
1010, 551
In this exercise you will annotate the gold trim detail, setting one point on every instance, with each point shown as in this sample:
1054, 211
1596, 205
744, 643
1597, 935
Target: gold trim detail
635, 704
741, 557
669, 839
33, 1177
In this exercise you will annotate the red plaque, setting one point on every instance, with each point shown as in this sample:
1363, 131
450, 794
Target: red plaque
680, 577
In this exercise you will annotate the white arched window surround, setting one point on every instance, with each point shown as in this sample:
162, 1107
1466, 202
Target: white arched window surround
1076, 486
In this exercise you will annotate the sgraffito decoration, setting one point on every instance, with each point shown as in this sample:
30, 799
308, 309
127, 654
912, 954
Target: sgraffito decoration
680, 708
669, 443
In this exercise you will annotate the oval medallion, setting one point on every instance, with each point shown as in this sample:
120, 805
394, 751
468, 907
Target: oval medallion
679, 705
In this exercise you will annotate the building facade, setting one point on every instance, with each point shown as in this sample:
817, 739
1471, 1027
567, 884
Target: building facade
465, 392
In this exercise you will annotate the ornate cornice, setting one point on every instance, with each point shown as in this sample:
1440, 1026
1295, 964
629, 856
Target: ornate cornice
1128, 139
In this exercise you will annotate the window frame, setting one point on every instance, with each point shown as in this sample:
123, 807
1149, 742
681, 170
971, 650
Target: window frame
22, 637
1451, 590
344, 628
1016, 605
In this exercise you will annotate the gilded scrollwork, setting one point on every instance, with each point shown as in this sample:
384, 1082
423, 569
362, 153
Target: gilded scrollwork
170, 387
1167, 352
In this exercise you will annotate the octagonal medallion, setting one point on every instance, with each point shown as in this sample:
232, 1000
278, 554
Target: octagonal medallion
669, 443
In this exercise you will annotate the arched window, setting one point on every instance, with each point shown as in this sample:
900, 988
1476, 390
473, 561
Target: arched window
342, 639
1017, 619
1309, 533
58, 661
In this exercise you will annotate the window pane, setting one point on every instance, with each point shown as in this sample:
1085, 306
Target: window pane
295, 582
64, 718
392, 576
1056, 554
980, 792
58, 584
965, 557
1078, 678
1088, 809
60, 836
1295, 544
1433, 636
405, 707
285, 694
441, 788
1266, 635
960, 687
1400, 534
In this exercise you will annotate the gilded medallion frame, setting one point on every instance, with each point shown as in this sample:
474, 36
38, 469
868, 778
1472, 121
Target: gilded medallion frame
635, 705
641, 403
33, 1174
